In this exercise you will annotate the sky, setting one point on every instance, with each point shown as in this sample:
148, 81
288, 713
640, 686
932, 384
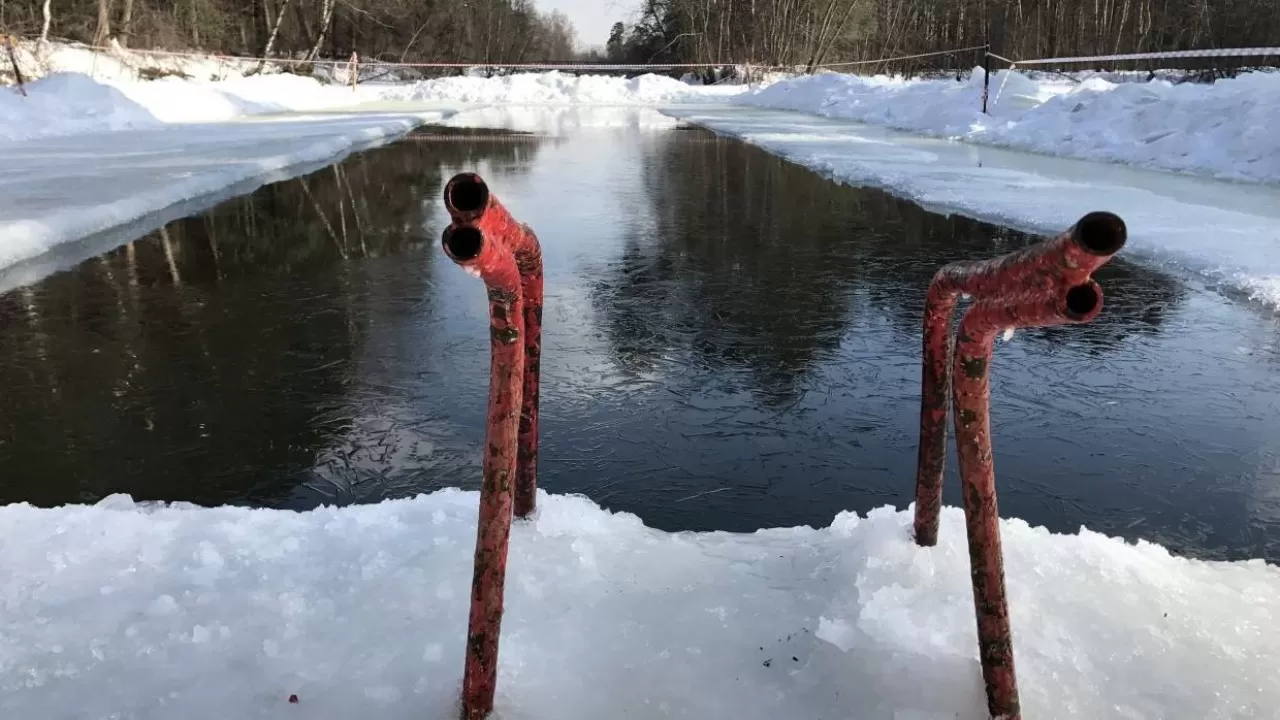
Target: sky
592, 18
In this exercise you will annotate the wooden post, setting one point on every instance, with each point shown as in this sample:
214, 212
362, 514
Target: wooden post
10, 46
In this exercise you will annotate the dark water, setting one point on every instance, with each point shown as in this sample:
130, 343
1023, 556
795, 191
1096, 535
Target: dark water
731, 342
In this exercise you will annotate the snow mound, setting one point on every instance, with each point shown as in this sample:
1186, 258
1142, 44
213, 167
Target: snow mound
1223, 130
561, 121
120, 64
125, 610
68, 103
556, 88
65, 103
61, 189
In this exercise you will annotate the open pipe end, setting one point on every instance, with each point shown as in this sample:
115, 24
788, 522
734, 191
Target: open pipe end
462, 244
466, 195
1101, 233
1084, 302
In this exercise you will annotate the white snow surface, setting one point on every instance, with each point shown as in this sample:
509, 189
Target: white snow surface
59, 189
125, 611
68, 103
557, 88
1226, 130
121, 64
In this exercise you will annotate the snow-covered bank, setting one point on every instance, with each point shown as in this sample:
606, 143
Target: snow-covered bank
67, 103
556, 88
72, 103
1226, 232
218, 613
57, 190
1225, 130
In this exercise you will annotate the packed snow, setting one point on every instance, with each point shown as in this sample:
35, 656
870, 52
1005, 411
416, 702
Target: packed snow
73, 103
37, 60
60, 189
119, 610
556, 88
1225, 130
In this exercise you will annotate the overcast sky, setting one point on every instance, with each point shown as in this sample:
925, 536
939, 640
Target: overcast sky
592, 18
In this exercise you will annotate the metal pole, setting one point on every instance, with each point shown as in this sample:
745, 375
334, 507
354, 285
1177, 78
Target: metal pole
986, 78
976, 336
1064, 261
468, 246
469, 199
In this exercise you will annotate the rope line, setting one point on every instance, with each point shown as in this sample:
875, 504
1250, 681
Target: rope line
1224, 52
904, 57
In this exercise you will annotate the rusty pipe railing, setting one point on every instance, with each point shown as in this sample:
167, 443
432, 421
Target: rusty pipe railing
468, 199
1064, 261
1046, 284
978, 329
475, 250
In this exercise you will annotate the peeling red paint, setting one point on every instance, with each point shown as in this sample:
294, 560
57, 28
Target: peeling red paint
1046, 284
1064, 261
974, 342
469, 200
471, 247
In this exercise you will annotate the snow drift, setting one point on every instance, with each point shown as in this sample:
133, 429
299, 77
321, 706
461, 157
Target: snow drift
1223, 130
72, 103
218, 613
556, 88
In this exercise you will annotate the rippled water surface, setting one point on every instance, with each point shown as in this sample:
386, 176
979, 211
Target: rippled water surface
731, 342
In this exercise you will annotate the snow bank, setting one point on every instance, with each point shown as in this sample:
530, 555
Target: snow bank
70, 103
1227, 233
561, 121
66, 103
556, 88
58, 190
153, 612
1224, 130
121, 64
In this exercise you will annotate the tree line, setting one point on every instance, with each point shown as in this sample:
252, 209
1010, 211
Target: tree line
814, 32
764, 32
479, 31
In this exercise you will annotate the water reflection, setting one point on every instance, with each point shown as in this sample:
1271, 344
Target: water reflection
211, 360
731, 342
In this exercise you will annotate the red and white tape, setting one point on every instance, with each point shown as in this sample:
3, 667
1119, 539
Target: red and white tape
1222, 52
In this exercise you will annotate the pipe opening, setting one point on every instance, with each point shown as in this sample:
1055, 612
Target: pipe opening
1101, 233
463, 243
467, 193
1083, 300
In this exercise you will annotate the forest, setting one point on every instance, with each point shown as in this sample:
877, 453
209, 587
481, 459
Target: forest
480, 31
814, 32
761, 32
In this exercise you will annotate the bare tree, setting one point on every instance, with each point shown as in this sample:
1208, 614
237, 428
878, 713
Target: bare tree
796, 33
326, 22
275, 29
47, 14
104, 23
126, 23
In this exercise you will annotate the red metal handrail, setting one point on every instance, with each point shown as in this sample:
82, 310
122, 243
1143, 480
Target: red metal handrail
972, 369
474, 249
468, 200
1046, 284
1064, 261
